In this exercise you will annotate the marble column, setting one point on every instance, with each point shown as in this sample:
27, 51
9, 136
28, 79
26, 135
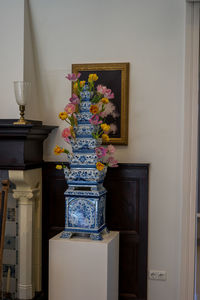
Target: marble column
28, 194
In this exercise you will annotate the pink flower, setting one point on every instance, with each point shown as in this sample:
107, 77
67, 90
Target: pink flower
110, 109
94, 120
66, 133
110, 149
75, 118
73, 76
100, 152
113, 128
108, 94
101, 89
74, 99
113, 163
67, 140
70, 108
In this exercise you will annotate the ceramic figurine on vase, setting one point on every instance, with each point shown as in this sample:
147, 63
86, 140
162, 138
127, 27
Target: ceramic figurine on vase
85, 197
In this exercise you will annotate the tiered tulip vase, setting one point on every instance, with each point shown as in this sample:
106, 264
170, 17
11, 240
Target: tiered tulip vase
85, 197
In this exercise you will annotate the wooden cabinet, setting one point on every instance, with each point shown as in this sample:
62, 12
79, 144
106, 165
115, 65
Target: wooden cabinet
126, 212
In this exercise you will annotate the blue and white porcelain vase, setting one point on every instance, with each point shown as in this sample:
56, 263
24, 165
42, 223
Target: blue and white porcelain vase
85, 197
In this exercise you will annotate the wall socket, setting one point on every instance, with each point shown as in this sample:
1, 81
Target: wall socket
157, 275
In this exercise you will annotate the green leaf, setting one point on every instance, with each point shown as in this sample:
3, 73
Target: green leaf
96, 99
66, 151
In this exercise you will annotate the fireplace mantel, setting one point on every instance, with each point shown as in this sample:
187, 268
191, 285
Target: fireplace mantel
21, 146
21, 152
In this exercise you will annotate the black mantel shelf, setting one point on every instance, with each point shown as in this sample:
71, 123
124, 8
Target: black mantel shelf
21, 146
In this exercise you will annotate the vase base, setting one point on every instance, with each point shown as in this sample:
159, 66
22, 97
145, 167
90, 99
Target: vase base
96, 236
106, 230
66, 235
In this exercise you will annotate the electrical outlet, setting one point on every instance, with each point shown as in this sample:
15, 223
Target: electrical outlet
157, 275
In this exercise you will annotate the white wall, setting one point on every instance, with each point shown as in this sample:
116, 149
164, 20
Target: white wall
33, 108
16, 58
11, 54
150, 35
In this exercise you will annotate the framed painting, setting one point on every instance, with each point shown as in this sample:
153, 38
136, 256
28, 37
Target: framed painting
114, 76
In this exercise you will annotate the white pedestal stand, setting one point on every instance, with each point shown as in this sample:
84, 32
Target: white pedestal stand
83, 269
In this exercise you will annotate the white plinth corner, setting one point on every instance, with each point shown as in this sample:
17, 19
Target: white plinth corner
80, 268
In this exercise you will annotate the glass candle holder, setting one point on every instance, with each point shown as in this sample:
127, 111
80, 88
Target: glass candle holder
22, 91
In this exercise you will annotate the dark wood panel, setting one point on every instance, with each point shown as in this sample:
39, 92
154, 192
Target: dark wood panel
122, 215
126, 212
21, 146
128, 264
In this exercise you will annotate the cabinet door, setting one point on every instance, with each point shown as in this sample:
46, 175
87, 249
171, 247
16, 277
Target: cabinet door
127, 212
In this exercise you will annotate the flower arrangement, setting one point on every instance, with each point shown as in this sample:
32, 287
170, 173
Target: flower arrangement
99, 101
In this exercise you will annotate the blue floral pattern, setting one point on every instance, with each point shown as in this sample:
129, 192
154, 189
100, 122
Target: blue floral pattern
84, 144
84, 174
84, 130
84, 117
85, 106
85, 95
81, 213
85, 197
80, 159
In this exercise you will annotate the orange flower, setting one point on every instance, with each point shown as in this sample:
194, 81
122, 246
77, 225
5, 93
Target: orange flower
63, 115
58, 150
105, 137
105, 100
100, 166
94, 109
82, 83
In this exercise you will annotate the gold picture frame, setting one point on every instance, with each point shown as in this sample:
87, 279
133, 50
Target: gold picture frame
116, 77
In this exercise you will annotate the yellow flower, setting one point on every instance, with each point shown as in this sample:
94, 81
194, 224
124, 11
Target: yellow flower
59, 167
58, 150
82, 83
105, 127
63, 115
75, 86
100, 166
94, 109
93, 77
105, 137
105, 100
